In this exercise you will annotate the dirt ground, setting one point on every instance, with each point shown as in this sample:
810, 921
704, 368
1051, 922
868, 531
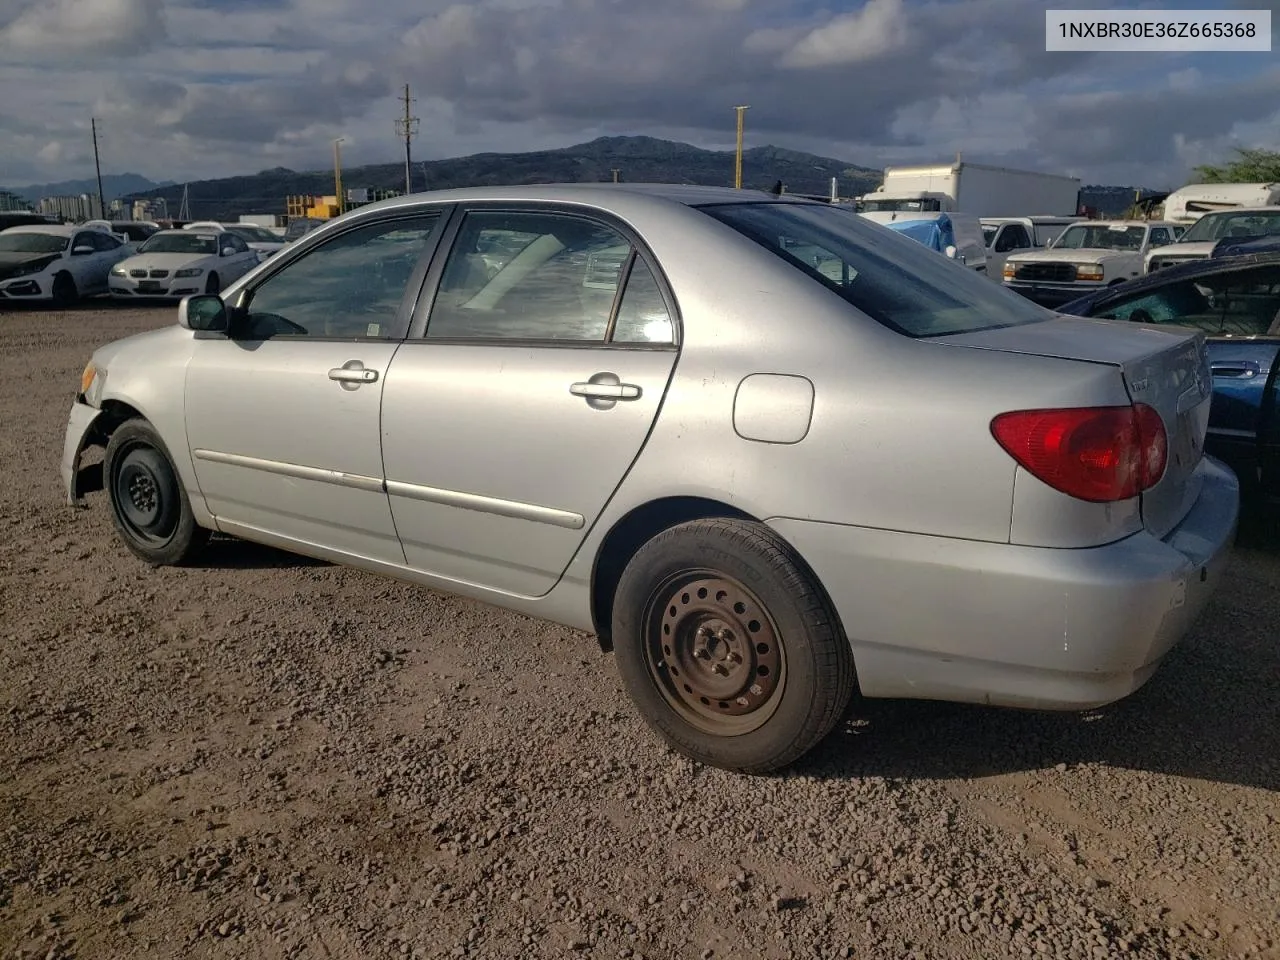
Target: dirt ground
270, 757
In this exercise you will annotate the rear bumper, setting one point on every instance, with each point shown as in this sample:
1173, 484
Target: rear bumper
1059, 629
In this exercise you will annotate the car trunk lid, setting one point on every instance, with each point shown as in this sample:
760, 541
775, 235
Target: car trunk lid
1165, 368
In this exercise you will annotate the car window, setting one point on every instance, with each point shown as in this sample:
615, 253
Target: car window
1014, 237
1160, 236
235, 243
643, 316
894, 280
1238, 303
529, 276
349, 287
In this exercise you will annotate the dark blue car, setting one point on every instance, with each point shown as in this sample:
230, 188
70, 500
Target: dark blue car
1236, 302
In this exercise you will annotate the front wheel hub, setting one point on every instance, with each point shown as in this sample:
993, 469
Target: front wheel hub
715, 653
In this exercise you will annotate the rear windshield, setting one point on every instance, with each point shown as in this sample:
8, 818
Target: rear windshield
894, 280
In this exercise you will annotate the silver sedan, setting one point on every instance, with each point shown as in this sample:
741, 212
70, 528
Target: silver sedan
767, 451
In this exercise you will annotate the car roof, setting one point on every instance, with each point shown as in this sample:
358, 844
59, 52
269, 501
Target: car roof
1181, 271
1125, 223
57, 229
684, 193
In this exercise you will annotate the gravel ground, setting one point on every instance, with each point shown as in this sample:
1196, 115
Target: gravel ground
272, 757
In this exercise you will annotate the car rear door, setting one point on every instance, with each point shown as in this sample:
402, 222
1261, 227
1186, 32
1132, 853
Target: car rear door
524, 394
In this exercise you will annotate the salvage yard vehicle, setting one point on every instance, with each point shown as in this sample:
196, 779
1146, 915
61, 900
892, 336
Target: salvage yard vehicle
762, 482
1235, 302
1087, 256
1202, 237
56, 263
176, 263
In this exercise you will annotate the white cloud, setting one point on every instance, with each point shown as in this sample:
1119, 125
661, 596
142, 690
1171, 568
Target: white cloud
235, 86
93, 27
879, 27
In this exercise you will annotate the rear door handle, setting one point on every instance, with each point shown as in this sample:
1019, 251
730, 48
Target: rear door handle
1235, 369
353, 373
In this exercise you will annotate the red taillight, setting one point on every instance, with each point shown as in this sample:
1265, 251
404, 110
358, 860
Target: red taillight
1100, 454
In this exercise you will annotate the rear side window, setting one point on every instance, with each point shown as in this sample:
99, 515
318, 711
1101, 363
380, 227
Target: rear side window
896, 281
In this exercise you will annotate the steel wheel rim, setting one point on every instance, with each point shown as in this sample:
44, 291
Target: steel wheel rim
714, 652
141, 498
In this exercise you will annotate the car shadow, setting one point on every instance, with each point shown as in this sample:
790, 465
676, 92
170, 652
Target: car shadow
229, 553
1211, 711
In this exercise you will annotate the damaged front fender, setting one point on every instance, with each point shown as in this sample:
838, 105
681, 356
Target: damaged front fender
82, 432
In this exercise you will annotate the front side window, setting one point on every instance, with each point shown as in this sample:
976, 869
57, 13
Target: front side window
1160, 237
894, 280
529, 276
348, 288
1239, 303
1014, 237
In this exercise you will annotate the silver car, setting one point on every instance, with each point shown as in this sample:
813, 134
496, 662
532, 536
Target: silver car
766, 450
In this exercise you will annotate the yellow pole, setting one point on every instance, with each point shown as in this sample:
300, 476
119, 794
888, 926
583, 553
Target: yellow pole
737, 164
337, 174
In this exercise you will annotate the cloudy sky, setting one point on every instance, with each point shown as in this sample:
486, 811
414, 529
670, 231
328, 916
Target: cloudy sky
186, 89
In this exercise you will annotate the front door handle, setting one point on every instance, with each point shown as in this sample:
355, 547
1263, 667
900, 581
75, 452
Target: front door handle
353, 373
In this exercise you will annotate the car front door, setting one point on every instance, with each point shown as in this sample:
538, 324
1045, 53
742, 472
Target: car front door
236, 257
521, 400
84, 266
1010, 238
282, 414
111, 250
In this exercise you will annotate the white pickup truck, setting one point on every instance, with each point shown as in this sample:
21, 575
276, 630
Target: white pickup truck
1088, 255
1005, 236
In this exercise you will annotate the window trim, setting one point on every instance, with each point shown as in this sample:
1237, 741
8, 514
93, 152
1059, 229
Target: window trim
417, 332
408, 300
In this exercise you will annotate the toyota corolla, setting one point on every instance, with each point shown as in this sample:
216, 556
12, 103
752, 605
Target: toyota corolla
768, 452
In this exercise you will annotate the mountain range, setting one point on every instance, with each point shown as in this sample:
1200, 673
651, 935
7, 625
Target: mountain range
113, 185
640, 159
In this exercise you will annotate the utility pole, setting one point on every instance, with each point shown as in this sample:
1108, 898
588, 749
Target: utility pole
337, 174
184, 210
407, 126
737, 166
102, 201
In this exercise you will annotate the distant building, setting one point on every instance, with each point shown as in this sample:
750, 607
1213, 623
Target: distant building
156, 209
76, 209
12, 203
326, 207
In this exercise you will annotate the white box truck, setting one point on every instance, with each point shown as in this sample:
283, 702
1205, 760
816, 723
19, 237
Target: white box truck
975, 189
1188, 204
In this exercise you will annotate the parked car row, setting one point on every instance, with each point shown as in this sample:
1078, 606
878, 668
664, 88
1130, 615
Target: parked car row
59, 264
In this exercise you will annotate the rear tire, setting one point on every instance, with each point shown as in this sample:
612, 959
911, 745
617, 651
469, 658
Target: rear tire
728, 646
149, 506
64, 291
